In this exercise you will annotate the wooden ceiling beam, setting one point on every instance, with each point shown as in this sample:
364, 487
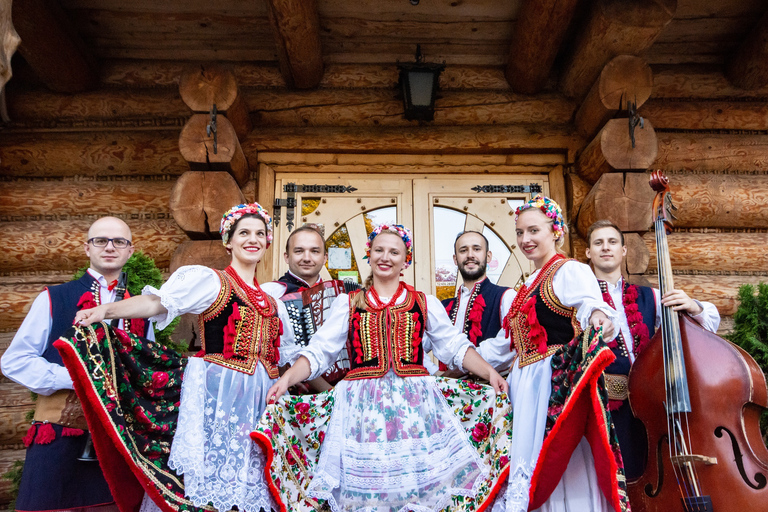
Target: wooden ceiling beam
747, 68
51, 46
296, 24
613, 27
539, 31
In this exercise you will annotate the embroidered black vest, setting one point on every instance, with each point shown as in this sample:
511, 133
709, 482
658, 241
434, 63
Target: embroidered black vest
378, 340
490, 322
538, 323
292, 283
64, 300
237, 334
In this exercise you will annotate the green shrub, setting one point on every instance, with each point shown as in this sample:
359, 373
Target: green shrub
750, 331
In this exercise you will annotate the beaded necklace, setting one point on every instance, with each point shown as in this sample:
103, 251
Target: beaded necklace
254, 293
637, 328
522, 293
378, 305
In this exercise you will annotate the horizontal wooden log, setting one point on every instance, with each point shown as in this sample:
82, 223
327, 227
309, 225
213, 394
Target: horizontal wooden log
15, 403
414, 140
118, 153
296, 27
59, 245
712, 152
577, 189
624, 79
613, 27
747, 67
197, 147
745, 252
539, 30
68, 197
210, 253
277, 107
199, 199
720, 200
612, 149
381, 107
697, 81
204, 85
25, 105
145, 73
623, 198
16, 299
53, 48
720, 290
707, 115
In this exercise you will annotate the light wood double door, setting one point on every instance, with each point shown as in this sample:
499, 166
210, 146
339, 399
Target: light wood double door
435, 207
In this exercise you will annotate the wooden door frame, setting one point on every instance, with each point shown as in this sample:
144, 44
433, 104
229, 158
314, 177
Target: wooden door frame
271, 163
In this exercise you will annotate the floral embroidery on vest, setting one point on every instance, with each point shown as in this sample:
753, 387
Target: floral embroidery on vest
252, 332
521, 323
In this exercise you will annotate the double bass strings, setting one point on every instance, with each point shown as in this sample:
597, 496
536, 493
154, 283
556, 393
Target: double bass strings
677, 394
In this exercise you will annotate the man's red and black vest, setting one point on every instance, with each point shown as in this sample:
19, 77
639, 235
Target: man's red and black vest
69, 298
380, 339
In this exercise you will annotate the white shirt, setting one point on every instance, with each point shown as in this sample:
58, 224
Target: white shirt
23, 363
709, 318
277, 289
575, 286
448, 342
504, 305
193, 288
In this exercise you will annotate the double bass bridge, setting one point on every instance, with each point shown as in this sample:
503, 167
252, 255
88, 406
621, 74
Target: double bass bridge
682, 460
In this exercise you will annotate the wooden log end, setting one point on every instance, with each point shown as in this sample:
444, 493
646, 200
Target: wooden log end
203, 85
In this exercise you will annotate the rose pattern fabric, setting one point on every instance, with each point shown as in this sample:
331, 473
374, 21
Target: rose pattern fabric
292, 433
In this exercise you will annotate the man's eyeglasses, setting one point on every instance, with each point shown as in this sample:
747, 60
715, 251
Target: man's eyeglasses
117, 243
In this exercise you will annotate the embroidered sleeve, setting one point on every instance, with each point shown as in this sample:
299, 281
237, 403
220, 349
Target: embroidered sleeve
576, 286
191, 289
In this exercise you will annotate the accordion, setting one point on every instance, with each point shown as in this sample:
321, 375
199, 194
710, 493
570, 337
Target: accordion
307, 310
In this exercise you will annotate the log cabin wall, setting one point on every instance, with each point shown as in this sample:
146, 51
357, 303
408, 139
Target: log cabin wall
517, 75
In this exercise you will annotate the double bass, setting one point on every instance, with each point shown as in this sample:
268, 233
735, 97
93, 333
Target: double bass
700, 398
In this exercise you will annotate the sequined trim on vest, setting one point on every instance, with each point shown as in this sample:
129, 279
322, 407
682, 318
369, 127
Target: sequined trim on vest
256, 334
374, 347
527, 349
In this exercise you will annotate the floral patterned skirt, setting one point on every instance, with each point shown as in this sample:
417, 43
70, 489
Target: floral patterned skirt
388, 445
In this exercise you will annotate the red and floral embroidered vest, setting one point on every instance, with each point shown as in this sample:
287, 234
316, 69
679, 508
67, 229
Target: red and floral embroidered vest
380, 339
237, 334
537, 322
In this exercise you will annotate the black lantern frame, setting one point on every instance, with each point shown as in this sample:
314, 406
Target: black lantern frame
419, 82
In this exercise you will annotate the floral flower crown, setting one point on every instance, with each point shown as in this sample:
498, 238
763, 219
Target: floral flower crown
236, 212
550, 208
402, 231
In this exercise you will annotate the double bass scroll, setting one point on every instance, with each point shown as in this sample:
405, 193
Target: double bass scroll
700, 398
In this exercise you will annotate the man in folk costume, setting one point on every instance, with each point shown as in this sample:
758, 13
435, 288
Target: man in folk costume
53, 477
479, 305
305, 254
639, 315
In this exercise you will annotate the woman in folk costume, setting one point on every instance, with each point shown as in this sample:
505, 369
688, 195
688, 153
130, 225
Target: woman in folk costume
224, 386
389, 437
564, 455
